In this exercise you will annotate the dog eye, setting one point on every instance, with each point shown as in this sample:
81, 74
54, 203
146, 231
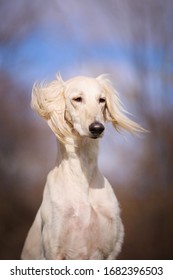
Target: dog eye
77, 99
102, 100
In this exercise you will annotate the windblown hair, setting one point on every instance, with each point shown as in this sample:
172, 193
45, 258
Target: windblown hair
115, 111
48, 100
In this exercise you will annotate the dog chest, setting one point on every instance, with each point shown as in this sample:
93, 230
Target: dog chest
87, 234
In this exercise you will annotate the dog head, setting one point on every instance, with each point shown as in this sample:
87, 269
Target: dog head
80, 106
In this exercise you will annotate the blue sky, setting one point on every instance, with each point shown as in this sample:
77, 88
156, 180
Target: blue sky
41, 55
44, 52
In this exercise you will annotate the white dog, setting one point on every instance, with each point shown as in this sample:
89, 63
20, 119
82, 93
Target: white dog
79, 217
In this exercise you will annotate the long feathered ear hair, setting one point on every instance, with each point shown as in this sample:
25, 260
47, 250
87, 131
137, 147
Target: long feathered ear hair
48, 101
115, 112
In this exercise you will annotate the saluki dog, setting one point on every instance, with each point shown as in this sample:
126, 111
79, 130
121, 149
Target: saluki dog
79, 217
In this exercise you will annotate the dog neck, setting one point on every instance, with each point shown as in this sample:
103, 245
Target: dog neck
79, 157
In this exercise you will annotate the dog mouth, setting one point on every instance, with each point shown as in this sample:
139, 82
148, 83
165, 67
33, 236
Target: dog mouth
95, 136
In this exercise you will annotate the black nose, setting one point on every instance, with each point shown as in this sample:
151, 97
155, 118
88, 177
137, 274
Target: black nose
96, 128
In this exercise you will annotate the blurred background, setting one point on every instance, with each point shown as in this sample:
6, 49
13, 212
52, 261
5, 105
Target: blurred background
133, 42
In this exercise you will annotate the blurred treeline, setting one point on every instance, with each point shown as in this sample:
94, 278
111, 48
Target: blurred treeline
27, 147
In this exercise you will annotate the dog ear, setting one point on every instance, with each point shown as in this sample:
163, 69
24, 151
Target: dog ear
115, 112
49, 102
